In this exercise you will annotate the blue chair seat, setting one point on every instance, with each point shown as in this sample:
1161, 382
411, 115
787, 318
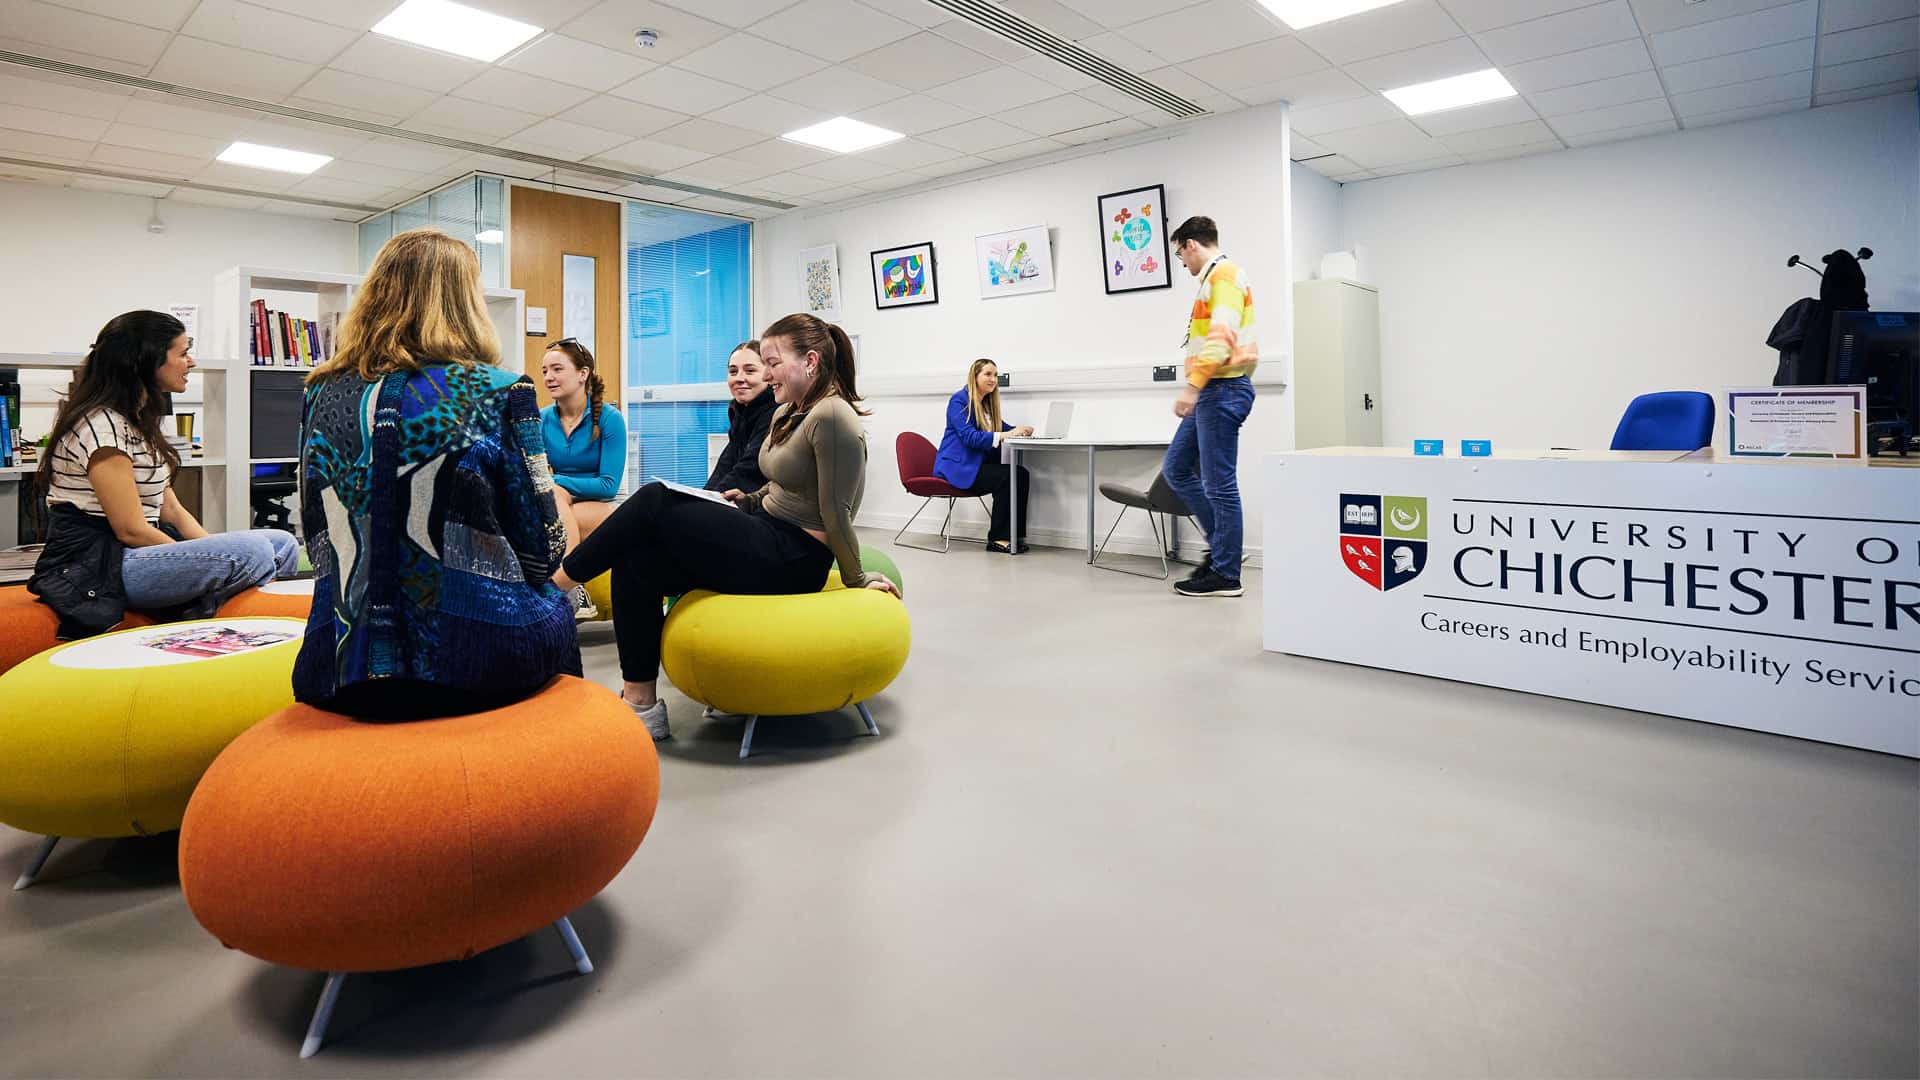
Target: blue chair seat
1670, 420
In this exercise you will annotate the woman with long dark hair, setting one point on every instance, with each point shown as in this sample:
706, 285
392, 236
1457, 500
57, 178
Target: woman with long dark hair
117, 536
780, 538
586, 442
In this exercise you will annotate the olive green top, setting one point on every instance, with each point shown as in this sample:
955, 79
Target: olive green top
816, 476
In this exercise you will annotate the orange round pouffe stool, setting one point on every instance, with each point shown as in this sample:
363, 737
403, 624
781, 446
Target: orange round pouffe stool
321, 842
27, 626
289, 599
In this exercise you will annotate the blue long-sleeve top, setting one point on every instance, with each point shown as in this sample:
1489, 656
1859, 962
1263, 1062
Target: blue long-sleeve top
964, 446
587, 467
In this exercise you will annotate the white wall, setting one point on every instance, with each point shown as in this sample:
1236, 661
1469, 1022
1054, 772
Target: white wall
1528, 301
1232, 168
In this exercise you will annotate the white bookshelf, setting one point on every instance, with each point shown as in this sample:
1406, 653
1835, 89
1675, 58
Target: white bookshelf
304, 294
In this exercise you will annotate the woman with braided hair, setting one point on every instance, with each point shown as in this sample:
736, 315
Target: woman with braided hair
586, 445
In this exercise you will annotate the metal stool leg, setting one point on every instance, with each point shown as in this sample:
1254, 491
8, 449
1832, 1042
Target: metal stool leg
581, 962
1165, 571
872, 728
322, 1013
38, 860
746, 740
945, 541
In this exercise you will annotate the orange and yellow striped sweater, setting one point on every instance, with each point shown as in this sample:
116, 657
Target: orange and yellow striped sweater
1221, 342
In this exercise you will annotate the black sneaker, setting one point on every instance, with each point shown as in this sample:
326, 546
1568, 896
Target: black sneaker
1209, 584
1205, 568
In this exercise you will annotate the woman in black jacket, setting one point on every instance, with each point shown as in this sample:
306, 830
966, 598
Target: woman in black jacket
747, 420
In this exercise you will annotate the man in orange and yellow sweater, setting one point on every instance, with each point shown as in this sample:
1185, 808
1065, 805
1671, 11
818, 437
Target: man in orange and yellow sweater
1203, 462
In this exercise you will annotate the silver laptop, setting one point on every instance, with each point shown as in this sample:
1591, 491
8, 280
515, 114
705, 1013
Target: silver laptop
1059, 418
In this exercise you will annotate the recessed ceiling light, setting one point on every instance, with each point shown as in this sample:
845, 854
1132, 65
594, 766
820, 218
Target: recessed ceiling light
456, 28
843, 135
490, 236
1301, 14
1457, 92
255, 156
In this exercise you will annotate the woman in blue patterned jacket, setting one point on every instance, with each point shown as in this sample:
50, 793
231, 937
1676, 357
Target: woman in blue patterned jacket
426, 504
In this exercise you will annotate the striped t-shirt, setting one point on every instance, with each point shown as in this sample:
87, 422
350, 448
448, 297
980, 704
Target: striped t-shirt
105, 429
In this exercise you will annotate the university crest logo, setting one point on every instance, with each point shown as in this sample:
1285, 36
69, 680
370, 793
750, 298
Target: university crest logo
1383, 539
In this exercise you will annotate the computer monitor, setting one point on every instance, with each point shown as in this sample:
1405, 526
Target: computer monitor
1881, 351
276, 400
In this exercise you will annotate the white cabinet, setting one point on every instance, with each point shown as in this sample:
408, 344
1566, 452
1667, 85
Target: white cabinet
1336, 364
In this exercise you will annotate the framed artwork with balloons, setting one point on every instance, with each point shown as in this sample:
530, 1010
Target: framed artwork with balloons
1133, 240
905, 276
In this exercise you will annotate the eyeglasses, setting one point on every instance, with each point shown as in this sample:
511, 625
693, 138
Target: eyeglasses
563, 341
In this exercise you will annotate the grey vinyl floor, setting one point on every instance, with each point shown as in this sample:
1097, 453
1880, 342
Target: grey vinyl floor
1104, 835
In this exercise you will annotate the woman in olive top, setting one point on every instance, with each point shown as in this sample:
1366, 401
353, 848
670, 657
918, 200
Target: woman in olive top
780, 538
748, 417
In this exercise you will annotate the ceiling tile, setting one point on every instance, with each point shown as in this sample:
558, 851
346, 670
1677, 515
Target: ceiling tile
1862, 93
1474, 117
527, 93
1332, 165
1868, 42
1258, 64
838, 91
1555, 35
679, 90
780, 155
907, 154
1444, 161
714, 138
1751, 112
612, 23
717, 172
1054, 16
1305, 91
963, 164
561, 139
1587, 65
399, 62
1378, 145
545, 14
150, 162
649, 155
70, 56
1107, 97
300, 135
1790, 87
735, 13
362, 173
463, 119
1112, 129
160, 14
1639, 86
833, 29
1049, 70
123, 187
974, 136
991, 91
1122, 51
921, 61
983, 41
1494, 138
242, 177
1635, 114
1738, 67
1454, 56
1357, 112
769, 115
849, 169
352, 14
1019, 151
1737, 34
212, 123
792, 183
45, 147
1659, 16
629, 118
321, 187
1475, 16
914, 114
1880, 69
347, 112
1111, 13
67, 126
365, 92
748, 61
1177, 36
893, 181
54, 96
1846, 14
1482, 157
1302, 147
1174, 81
167, 142
220, 199
1395, 28
45, 24
263, 30
1061, 113
404, 155
577, 63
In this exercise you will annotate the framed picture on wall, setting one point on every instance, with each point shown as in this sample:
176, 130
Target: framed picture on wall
905, 276
1014, 262
652, 312
1133, 240
820, 281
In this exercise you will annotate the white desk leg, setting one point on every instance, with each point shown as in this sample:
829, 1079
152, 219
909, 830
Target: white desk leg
1092, 491
1012, 457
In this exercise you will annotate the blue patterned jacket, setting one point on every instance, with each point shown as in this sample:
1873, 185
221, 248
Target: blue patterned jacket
429, 518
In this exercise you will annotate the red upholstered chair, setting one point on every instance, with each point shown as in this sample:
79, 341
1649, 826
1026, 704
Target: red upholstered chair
914, 454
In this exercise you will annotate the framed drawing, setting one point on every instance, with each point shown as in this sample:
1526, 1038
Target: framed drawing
651, 313
820, 281
905, 276
1133, 240
1014, 262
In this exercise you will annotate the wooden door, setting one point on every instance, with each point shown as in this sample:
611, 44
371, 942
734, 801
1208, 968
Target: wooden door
545, 227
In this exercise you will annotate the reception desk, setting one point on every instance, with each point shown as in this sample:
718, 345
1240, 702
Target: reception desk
1780, 596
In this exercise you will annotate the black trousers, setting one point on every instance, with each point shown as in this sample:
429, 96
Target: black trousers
660, 544
992, 480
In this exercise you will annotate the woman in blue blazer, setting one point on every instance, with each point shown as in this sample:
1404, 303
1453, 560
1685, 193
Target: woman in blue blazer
974, 429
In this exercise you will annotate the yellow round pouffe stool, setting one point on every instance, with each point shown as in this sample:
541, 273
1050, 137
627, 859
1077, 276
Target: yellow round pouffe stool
106, 737
321, 842
788, 655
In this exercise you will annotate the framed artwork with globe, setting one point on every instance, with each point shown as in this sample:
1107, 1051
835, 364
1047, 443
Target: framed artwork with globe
1133, 240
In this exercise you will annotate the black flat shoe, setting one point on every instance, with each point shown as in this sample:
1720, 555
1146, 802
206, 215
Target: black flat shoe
999, 547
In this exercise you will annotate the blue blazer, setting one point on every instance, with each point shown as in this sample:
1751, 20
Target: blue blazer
964, 446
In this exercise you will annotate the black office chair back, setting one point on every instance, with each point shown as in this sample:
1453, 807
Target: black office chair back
1161, 499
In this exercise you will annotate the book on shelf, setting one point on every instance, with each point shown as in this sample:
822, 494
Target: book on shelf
278, 339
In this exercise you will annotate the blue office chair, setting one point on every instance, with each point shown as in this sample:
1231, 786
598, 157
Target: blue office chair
1671, 420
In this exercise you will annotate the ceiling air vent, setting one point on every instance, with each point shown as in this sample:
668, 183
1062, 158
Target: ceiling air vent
1053, 46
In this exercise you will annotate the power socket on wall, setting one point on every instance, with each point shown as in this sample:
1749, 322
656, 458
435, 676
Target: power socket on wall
1163, 373
1006, 379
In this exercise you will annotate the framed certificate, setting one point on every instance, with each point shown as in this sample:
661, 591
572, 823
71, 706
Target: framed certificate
1798, 421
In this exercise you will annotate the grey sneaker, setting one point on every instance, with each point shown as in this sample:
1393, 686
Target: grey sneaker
583, 606
655, 717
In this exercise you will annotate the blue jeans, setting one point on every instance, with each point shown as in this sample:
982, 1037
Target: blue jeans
219, 567
1203, 467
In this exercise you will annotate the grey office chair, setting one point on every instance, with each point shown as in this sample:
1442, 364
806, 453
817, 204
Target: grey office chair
1156, 501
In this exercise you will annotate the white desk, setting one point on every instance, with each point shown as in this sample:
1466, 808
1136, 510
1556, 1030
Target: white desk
1011, 449
1774, 595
